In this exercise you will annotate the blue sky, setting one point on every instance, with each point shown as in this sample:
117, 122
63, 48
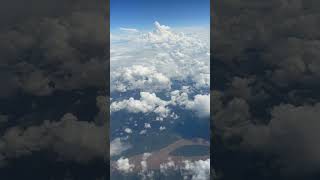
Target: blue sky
142, 13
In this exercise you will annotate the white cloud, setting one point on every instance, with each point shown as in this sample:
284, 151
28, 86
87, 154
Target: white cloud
128, 130
162, 128
147, 125
117, 146
144, 165
175, 55
197, 170
193, 170
143, 131
129, 30
169, 165
200, 103
123, 165
148, 103
139, 77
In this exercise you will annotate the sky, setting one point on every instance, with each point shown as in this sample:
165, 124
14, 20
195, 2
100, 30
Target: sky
142, 13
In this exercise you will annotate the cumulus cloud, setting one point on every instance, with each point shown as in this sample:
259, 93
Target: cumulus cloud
124, 166
265, 63
143, 132
62, 137
291, 133
197, 170
147, 125
200, 104
174, 55
162, 128
59, 40
148, 102
51, 53
143, 163
154, 65
117, 146
69, 138
193, 170
139, 77
167, 166
128, 130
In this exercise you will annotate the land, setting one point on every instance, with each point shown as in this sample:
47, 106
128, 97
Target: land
163, 155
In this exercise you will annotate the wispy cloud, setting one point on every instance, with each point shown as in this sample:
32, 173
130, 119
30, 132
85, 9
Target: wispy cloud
129, 30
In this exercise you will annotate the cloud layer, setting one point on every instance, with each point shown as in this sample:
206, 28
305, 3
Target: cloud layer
265, 59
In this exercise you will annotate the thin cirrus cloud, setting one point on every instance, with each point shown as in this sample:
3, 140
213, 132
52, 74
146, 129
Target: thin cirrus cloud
129, 30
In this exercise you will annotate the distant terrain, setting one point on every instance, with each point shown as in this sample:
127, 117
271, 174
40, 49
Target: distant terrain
165, 154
